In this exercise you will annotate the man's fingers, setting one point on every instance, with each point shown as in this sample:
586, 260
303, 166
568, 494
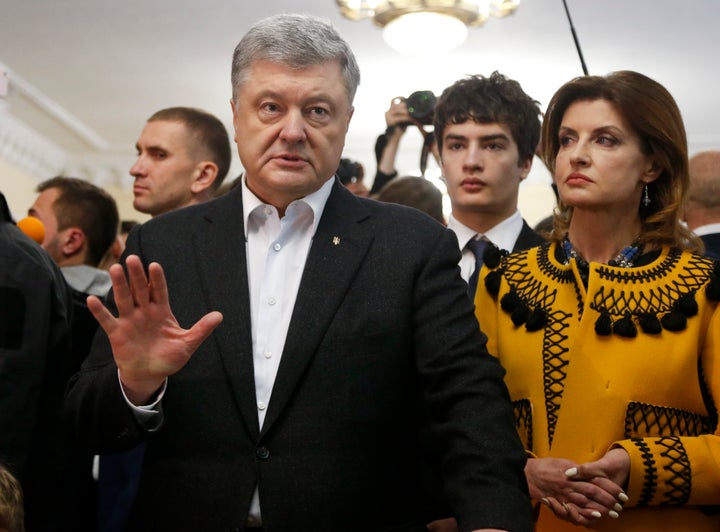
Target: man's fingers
158, 284
121, 290
202, 329
101, 313
138, 280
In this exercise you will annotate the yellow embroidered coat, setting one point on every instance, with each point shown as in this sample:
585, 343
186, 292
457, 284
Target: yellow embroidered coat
632, 360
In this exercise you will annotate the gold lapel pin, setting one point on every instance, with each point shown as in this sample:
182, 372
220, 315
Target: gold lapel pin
336, 240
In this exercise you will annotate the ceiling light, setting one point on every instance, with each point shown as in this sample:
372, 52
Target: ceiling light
425, 26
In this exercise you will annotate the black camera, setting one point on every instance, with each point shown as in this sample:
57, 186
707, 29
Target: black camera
421, 106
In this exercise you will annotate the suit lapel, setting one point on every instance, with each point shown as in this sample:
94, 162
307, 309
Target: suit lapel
337, 252
527, 238
222, 265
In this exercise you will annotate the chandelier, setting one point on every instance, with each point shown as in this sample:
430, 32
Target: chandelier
424, 26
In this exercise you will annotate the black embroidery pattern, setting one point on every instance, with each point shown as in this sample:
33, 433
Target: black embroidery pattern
523, 421
667, 306
679, 485
541, 295
643, 420
651, 479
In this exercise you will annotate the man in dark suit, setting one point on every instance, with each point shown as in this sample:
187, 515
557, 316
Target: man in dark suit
310, 330
486, 129
702, 207
35, 366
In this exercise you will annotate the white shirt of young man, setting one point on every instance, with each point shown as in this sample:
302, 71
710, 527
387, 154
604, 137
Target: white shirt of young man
503, 235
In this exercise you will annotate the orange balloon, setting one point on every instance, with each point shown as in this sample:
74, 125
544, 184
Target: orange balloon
33, 228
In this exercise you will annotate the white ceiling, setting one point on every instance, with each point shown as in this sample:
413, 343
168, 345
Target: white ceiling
102, 67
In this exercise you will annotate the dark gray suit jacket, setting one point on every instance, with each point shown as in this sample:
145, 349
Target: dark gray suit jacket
382, 323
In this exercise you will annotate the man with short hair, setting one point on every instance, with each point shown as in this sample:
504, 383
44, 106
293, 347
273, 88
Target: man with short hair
81, 224
486, 130
286, 335
702, 207
183, 158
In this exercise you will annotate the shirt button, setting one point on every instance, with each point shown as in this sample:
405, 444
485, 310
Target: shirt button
268, 210
277, 246
261, 405
263, 453
267, 354
271, 301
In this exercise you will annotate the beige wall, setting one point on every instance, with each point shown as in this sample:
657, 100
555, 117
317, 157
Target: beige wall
18, 187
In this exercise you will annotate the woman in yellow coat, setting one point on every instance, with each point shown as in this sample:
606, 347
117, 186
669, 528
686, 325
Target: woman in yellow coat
610, 332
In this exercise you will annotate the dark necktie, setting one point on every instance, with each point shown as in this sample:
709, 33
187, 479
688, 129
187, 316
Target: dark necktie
477, 246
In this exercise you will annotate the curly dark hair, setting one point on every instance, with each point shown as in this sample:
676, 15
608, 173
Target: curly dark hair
494, 99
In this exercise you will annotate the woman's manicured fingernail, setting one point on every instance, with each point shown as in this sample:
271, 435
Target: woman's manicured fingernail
571, 472
596, 514
623, 497
618, 507
545, 502
613, 514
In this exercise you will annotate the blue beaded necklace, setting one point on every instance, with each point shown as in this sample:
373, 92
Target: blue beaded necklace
624, 259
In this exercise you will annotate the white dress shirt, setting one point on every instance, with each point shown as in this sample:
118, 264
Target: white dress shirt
503, 235
276, 250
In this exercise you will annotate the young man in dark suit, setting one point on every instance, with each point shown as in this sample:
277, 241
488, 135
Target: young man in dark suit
274, 346
486, 130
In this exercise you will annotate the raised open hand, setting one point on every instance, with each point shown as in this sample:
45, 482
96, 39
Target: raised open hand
147, 342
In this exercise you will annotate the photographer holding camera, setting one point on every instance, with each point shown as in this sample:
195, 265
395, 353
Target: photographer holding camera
417, 109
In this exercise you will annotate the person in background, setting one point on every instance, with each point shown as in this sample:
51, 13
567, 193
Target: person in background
487, 129
35, 366
415, 192
278, 357
81, 223
387, 145
183, 158
701, 213
113, 254
609, 333
351, 173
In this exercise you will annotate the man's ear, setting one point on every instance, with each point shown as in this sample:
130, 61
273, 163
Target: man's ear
525, 167
72, 241
205, 174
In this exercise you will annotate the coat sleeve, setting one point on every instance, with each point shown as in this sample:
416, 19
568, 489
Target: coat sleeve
470, 413
677, 469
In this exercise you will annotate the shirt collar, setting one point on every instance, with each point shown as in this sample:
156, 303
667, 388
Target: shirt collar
707, 229
316, 201
503, 235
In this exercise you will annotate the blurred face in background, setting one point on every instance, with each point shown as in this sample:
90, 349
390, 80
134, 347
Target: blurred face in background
165, 168
43, 210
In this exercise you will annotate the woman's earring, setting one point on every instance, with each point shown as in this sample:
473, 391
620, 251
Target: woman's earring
646, 197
